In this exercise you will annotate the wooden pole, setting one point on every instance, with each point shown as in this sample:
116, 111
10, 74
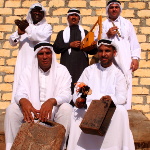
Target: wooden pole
100, 27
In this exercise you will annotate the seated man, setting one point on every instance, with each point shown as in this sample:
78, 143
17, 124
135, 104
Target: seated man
106, 81
43, 92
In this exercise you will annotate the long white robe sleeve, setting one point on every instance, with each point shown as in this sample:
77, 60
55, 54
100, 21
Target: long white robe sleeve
103, 81
128, 48
34, 34
57, 85
39, 35
59, 89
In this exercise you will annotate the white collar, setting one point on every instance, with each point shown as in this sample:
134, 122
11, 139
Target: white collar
106, 69
117, 20
45, 73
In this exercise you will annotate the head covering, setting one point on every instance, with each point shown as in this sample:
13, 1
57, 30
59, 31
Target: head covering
73, 11
42, 45
31, 84
29, 19
66, 32
110, 43
113, 2
118, 62
34, 71
107, 42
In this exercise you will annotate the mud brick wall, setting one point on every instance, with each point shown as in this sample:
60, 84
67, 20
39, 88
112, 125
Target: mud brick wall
137, 11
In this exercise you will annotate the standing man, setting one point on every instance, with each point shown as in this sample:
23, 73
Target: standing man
43, 93
30, 32
68, 43
121, 31
107, 82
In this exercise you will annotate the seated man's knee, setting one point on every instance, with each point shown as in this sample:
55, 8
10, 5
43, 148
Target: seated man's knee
63, 115
66, 108
12, 109
121, 111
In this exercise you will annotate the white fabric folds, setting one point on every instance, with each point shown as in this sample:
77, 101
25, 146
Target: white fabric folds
58, 85
103, 81
34, 34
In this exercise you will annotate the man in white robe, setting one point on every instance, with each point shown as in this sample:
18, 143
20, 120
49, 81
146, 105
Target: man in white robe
30, 32
129, 48
43, 92
107, 82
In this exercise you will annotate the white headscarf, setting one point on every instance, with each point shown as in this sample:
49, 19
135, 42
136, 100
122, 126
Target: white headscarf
34, 93
107, 7
73, 11
66, 32
118, 62
29, 19
107, 42
29, 85
119, 17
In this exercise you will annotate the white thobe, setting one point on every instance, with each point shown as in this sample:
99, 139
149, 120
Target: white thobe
33, 35
103, 81
35, 85
43, 79
128, 45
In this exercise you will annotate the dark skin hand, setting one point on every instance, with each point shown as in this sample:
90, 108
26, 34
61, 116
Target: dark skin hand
107, 97
80, 102
93, 45
20, 32
134, 65
46, 109
112, 32
42, 114
27, 110
75, 44
22, 25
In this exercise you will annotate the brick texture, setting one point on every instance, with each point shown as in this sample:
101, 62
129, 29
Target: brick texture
56, 3
12, 3
6, 96
136, 11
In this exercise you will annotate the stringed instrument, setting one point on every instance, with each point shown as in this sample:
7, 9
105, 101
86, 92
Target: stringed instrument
86, 44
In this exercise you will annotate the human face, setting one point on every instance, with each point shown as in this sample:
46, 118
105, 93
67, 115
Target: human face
37, 15
106, 55
114, 11
44, 57
73, 19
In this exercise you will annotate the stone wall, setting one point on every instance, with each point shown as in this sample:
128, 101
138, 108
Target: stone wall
137, 11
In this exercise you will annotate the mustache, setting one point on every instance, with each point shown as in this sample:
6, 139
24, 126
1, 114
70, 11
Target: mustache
73, 19
104, 57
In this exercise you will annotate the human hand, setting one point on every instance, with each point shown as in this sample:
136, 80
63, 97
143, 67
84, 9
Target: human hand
20, 32
134, 65
80, 102
22, 24
107, 97
27, 110
112, 32
46, 109
75, 44
93, 45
